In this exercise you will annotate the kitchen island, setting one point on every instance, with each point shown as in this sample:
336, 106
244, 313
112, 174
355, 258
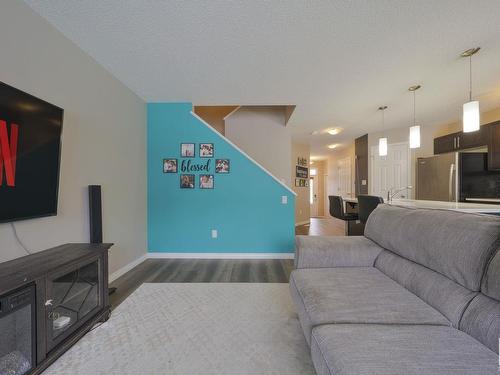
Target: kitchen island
483, 208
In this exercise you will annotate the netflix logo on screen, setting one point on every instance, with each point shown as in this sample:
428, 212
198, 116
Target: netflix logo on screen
30, 146
8, 153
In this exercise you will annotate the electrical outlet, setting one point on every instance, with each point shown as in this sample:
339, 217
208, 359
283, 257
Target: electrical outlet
284, 199
214, 233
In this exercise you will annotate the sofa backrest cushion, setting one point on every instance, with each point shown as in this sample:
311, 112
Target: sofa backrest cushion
445, 295
457, 245
491, 279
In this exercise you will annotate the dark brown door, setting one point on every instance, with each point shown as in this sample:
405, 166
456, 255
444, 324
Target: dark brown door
361, 177
494, 147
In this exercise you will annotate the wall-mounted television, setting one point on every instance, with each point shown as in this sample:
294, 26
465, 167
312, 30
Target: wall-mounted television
30, 151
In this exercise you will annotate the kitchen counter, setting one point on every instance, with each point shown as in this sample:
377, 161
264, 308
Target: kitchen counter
454, 206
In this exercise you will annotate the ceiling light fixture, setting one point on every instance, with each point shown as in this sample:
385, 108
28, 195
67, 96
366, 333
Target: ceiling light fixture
335, 145
471, 121
334, 131
415, 129
382, 142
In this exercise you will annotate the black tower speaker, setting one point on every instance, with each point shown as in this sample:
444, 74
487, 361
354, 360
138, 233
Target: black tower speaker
95, 213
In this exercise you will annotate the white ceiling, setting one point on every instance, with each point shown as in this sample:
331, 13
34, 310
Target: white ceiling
337, 61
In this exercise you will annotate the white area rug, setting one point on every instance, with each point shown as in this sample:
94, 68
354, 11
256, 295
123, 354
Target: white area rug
209, 328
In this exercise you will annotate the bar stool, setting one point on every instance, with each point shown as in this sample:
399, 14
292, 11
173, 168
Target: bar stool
338, 212
366, 204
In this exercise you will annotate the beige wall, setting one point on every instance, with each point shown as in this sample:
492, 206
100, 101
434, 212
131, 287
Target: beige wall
103, 138
428, 133
262, 134
302, 206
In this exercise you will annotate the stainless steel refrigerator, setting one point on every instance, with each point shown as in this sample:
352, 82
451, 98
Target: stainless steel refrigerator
437, 177
458, 176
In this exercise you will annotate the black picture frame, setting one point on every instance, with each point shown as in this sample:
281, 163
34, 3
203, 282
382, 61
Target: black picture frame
171, 160
219, 171
191, 181
301, 172
194, 150
211, 176
206, 144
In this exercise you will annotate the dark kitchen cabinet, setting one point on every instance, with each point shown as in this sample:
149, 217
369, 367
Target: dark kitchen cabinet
494, 146
461, 141
474, 139
446, 143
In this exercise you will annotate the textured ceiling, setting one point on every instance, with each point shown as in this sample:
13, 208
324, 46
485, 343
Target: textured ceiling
337, 61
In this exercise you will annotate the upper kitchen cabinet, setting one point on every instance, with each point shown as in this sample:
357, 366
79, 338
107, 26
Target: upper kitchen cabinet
446, 143
461, 141
494, 146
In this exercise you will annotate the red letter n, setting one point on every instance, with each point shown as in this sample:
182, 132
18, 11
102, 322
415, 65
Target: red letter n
8, 152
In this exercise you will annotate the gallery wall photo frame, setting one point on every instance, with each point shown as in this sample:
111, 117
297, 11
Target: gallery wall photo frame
187, 181
222, 166
170, 165
207, 181
188, 150
301, 172
206, 150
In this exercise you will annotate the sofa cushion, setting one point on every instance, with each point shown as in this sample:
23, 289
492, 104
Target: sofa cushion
366, 349
481, 320
445, 295
356, 295
457, 245
338, 251
491, 280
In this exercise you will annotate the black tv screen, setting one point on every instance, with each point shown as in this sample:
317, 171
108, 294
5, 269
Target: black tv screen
30, 147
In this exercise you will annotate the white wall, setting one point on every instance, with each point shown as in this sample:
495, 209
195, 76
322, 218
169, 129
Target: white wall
261, 133
103, 138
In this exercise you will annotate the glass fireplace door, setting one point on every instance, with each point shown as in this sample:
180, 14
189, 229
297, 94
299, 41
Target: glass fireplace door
72, 298
17, 332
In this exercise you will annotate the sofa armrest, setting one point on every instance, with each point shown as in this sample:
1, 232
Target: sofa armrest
328, 252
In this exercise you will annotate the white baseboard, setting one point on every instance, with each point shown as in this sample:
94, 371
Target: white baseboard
302, 223
221, 255
115, 275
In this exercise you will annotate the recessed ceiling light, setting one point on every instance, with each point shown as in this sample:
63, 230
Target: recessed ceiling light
334, 131
335, 145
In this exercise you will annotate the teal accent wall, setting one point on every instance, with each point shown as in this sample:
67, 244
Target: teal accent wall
245, 206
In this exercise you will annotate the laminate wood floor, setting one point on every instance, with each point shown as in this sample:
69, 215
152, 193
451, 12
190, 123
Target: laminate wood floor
218, 270
322, 226
200, 271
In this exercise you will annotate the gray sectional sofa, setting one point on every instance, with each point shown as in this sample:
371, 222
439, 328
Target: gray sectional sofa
419, 293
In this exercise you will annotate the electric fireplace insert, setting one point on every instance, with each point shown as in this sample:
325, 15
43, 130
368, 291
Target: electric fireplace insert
18, 332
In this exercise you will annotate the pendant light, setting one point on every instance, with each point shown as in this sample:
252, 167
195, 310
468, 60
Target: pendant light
415, 129
382, 142
471, 122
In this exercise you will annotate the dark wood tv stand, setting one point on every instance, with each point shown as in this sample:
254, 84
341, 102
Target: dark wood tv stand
71, 283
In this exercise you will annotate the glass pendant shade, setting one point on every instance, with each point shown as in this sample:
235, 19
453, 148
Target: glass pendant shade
382, 146
415, 136
471, 117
